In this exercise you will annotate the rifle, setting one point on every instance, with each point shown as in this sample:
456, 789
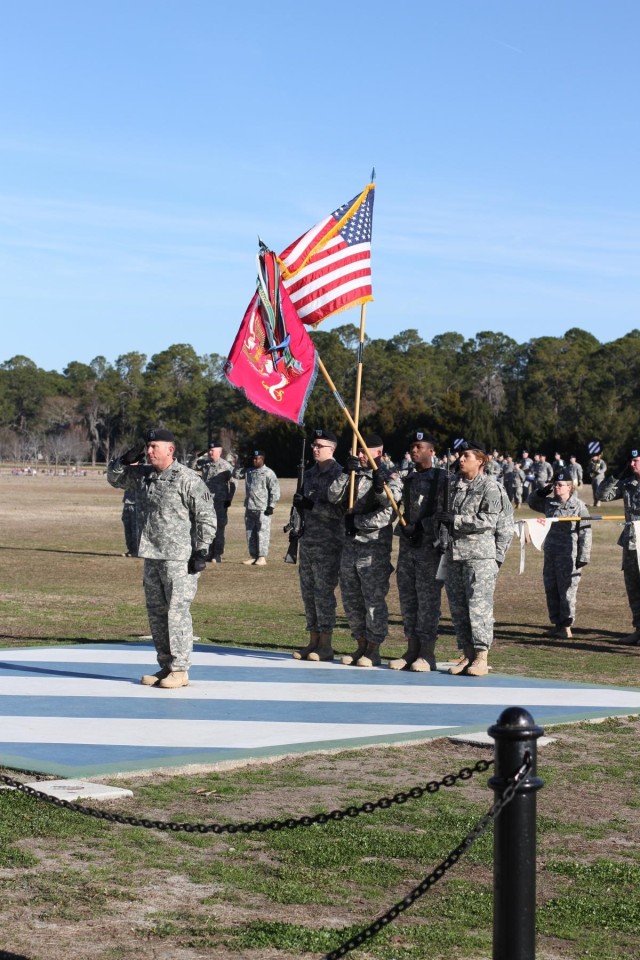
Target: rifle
295, 527
444, 533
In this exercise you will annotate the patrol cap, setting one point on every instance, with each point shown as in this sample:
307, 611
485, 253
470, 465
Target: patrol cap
421, 436
320, 434
373, 440
159, 433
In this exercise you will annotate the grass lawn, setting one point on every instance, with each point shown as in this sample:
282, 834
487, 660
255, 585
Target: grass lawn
76, 888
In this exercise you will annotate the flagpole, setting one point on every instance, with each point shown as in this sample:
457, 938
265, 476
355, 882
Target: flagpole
356, 411
358, 436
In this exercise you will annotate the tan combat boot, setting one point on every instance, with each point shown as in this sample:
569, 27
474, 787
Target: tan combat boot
463, 661
426, 659
303, 653
631, 640
408, 657
350, 659
324, 650
261, 562
479, 667
370, 656
180, 678
565, 633
151, 679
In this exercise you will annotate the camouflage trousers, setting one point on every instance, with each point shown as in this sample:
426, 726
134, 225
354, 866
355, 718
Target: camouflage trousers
169, 591
258, 529
632, 583
217, 547
130, 524
419, 591
470, 585
364, 584
319, 570
561, 581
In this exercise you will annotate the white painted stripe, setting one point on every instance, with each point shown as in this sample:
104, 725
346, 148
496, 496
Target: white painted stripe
425, 694
187, 733
334, 294
146, 656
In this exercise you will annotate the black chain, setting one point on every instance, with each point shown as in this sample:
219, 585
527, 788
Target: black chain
363, 936
384, 803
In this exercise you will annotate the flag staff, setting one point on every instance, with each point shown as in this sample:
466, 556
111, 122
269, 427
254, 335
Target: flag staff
360, 441
356, 409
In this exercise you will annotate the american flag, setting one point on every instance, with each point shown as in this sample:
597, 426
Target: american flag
328, 269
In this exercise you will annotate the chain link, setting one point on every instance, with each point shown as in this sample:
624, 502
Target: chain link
363, 936
291, 823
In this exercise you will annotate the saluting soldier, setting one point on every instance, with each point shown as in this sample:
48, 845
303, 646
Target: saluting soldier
627, 488
177, 528
365, 567
320, 547
262, 492
418, 557
217, 473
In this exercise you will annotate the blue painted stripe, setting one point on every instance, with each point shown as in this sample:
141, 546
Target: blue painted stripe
274, 711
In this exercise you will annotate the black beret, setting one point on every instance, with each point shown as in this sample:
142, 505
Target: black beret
160, 433
373, 440
214, 443
471, 445
421, 436
257, 453
564, 475
320, 434
634, 452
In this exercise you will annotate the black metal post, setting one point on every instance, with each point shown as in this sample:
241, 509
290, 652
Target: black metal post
514, 844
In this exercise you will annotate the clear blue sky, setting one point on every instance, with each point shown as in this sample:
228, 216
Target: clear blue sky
144, 144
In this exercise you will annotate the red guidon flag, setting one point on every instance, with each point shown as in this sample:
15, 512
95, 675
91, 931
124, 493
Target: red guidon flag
273, 359
328, 269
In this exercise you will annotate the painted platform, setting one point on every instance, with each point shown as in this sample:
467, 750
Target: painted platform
80, 711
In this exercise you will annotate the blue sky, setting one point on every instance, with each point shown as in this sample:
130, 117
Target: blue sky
145, 144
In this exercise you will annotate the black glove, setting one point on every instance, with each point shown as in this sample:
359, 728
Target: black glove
197, 561
350, 524
350, 464
412, 533
268, 511
227, 504
133, 455
301, 502
445, 517
581, 563
499, 563
378, 481
545, 491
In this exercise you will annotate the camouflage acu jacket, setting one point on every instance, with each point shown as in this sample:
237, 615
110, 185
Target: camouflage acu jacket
177, 514
477, 508
561, 536
629, 491
373, 511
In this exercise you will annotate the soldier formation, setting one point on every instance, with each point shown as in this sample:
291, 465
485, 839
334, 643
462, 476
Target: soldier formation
454, 519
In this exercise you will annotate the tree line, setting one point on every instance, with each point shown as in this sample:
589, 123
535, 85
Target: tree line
548, 394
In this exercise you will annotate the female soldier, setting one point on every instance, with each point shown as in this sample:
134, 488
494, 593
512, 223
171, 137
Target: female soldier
477, 526
567, 548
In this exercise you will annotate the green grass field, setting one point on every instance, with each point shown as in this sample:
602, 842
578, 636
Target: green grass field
75, 888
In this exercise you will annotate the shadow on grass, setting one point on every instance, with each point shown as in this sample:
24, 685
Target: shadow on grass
78, 553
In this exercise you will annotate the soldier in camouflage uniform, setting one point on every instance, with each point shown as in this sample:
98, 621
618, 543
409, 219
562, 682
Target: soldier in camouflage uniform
262, 492
542, 471
320, 547
178, 524
597, 471
365, 567
575, 469
478, 533
419, 557
627, 488
217, 473
567, 548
